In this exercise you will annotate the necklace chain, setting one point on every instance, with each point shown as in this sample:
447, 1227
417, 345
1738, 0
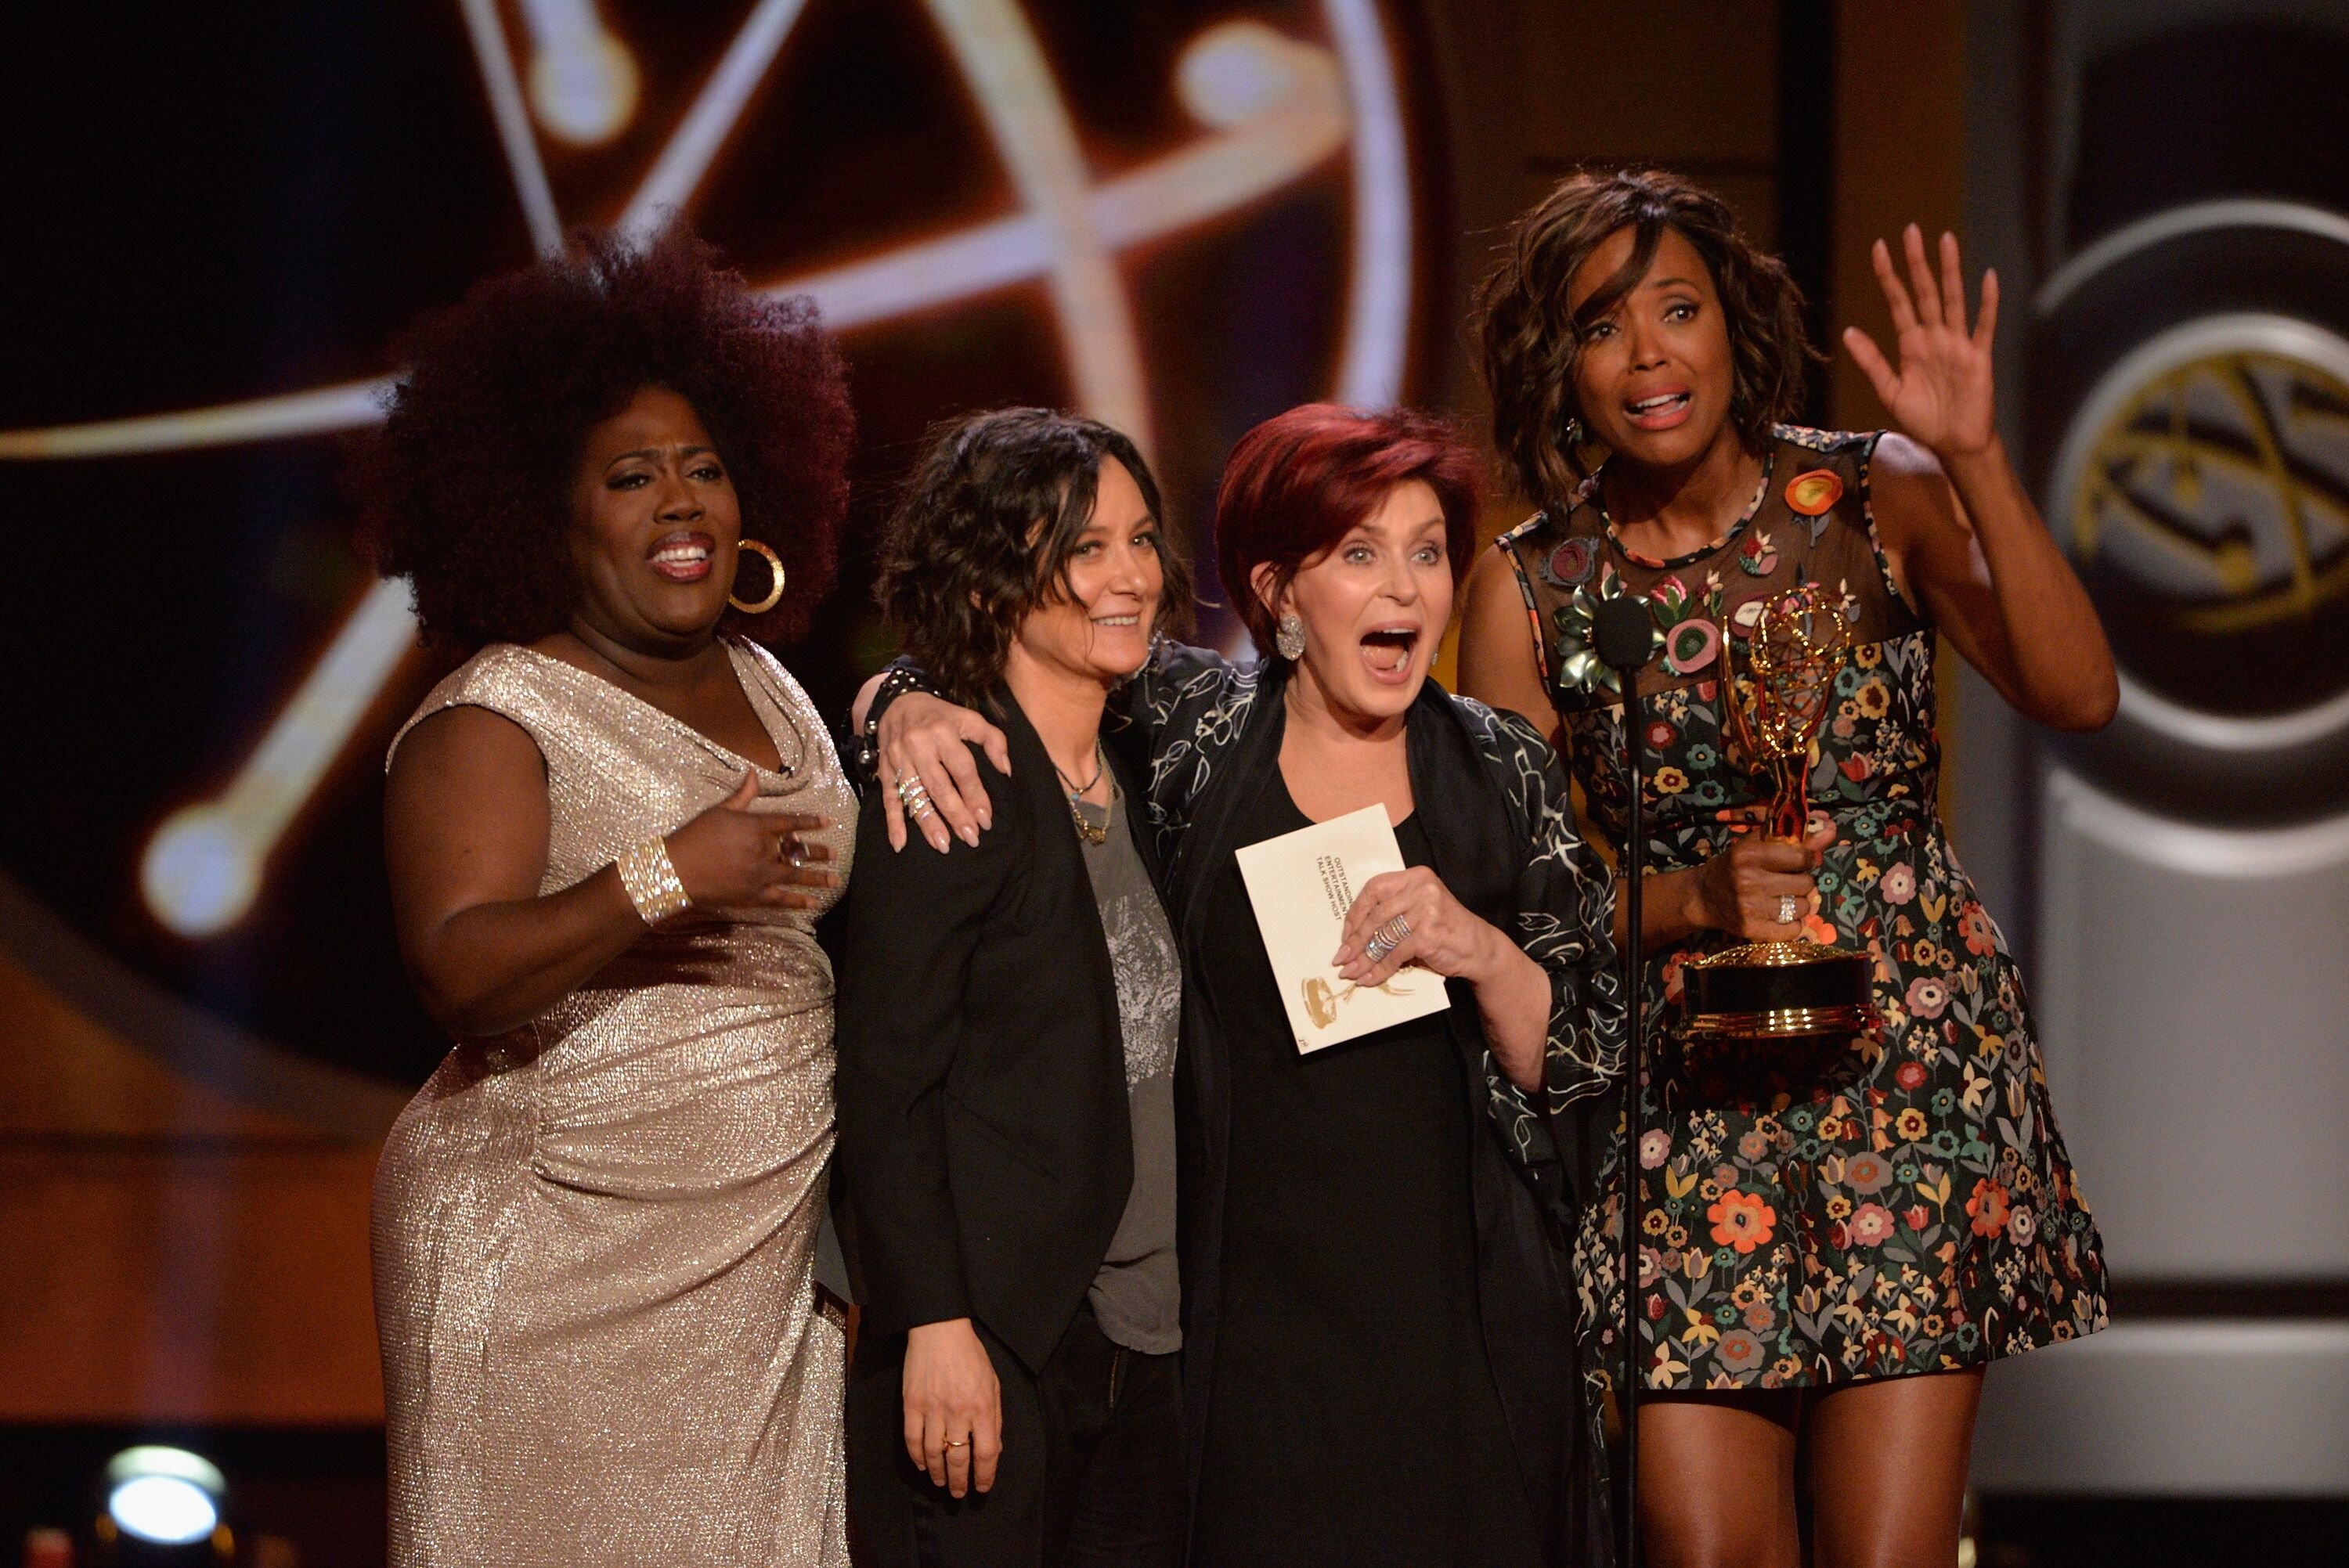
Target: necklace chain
1076, 789
1086, 828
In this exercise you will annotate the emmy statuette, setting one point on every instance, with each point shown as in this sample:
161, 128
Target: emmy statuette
1783, 990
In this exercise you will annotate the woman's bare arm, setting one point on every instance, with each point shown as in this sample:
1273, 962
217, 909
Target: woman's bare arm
1967, 544
465, 838
1958, 528
1499, 666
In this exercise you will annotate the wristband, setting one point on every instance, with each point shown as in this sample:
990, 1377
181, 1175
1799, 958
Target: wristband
651, 881
863, 752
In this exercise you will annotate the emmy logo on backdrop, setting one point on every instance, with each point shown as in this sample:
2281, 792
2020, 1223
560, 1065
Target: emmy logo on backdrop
1785, 990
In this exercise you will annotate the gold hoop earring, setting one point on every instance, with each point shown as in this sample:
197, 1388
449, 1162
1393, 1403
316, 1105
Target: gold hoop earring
775, 570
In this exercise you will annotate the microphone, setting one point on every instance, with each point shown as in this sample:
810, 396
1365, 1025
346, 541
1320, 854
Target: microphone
1624, 635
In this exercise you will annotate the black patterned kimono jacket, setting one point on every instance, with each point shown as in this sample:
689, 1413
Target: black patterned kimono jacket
1492, 798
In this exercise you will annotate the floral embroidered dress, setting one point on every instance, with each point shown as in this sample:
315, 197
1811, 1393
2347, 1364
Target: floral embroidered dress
1851, 1209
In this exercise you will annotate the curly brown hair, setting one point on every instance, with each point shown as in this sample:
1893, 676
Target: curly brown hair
1530, 342
990, 516
465, 488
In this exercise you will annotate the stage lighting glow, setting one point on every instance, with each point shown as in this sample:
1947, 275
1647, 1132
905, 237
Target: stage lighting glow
167, 1496
1304, 121
200, 873
583, 80
1005, 65
502, 86
1274, 108
202, 868
678, 173
320, 412
1378, 309
1234, 73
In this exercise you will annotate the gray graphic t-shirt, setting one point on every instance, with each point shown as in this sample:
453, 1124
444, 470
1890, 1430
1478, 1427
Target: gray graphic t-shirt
1137, 1295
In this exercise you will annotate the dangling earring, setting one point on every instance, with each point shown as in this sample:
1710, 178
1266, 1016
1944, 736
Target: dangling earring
1573, 432
1288, 637
774, 572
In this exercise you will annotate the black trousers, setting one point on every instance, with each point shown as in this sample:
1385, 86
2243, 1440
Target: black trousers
1090, 1477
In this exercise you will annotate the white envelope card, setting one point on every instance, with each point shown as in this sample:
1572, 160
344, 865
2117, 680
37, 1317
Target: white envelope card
1302, 884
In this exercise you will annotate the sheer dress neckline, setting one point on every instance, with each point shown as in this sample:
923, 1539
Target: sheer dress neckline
1673, 563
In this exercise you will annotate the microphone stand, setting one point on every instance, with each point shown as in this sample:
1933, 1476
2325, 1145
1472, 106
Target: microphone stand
1626, 640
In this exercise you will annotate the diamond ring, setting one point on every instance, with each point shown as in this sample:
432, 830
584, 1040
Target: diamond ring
914, 796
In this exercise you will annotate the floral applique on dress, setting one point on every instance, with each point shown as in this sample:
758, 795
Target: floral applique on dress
1573, 655
1895, 1204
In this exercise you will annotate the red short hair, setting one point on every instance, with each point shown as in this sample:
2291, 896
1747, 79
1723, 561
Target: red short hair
1298, 482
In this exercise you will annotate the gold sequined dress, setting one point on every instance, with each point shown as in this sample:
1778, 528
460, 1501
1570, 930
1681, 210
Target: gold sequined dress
595, 1237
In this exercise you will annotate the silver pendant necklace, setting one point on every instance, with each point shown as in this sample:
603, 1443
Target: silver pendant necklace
1086, 829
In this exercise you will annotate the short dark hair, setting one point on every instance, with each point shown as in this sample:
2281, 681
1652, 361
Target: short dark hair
1530, 344
1296, 483
465, 489
990, 516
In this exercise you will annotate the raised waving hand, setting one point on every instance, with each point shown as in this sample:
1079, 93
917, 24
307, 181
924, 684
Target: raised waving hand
1940, 392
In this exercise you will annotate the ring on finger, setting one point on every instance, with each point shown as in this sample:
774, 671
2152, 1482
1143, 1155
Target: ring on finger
1377, 948
958, 1442
1394, 931
1787, 906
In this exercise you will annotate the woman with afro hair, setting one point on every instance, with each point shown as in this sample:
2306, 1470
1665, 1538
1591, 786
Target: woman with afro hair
610, 832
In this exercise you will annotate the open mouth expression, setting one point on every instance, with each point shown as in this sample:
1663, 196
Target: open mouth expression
1664, 409
682, 555
1387, 651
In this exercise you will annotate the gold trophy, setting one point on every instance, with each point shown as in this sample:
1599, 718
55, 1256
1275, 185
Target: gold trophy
1785, 990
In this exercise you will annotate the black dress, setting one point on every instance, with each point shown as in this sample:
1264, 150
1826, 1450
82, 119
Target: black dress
1354, 1419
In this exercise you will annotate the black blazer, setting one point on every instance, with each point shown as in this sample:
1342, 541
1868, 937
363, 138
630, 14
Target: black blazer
986, 1146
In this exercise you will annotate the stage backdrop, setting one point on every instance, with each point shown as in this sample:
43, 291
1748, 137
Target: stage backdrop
1179, 217
2166, 188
